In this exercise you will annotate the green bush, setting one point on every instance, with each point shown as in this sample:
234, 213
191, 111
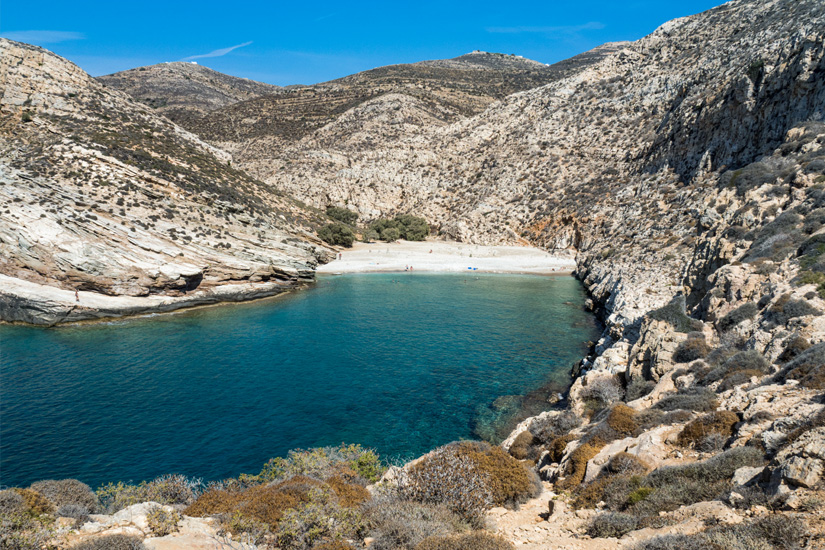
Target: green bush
477, 540
66, 491
390, 234
320, 519
403, 226
746, 311
162, 522
167, 489
322, 463
337, 234
342, 215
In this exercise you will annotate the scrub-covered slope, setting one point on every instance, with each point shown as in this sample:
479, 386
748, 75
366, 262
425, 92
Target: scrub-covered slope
101, 194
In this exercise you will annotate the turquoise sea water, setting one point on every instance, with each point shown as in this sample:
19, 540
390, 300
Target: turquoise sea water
398, 362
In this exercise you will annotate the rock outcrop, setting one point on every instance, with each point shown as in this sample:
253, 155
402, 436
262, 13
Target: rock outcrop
100, 194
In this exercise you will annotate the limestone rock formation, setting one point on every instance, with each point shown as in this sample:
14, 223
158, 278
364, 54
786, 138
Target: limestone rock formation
98, 193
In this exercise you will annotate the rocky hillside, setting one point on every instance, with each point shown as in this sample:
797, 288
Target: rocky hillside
181, 91
98, 193
374, 108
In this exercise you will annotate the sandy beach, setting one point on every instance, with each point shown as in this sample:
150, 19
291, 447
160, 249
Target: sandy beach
441, 256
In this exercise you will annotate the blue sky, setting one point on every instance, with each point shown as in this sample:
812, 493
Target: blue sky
306, 42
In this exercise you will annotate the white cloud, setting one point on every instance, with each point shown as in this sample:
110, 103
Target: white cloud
43, 37
216, 53
564, 29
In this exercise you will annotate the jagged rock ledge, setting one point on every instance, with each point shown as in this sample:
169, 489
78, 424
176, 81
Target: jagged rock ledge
31, 303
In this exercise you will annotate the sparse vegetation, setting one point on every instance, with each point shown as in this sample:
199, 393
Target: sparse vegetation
738, 315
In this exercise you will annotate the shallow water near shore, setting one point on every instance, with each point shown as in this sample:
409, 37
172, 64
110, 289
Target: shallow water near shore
398, 362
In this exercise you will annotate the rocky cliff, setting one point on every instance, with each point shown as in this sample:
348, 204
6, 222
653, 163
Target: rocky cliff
100, 194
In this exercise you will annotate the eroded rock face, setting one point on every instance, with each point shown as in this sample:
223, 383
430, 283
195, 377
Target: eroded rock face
802, 463
99, 194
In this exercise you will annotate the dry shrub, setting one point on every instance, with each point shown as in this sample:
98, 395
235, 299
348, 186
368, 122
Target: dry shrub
612, 524
692, 349
520, 449
36, 503
402, 524
691, 399
333, 545
638, 387
449, 477
808, 367
319, 520
549, 427
558, 445
111, 542
717, 422
591, 494
577, 463
794, 346
622, 419
66, 491
167, 489
650, 418
267, 503
11, 503
511, 482
216, 501
600, 393
350, 495
477, 540
626, 464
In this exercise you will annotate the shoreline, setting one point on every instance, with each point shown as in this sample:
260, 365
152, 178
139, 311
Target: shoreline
448, 257
27, 303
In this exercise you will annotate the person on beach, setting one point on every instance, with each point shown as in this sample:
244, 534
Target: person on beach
76, 296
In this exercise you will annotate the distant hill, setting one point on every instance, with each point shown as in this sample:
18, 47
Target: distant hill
179, 90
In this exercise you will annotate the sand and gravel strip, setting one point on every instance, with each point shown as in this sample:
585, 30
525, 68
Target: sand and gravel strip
441, 256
